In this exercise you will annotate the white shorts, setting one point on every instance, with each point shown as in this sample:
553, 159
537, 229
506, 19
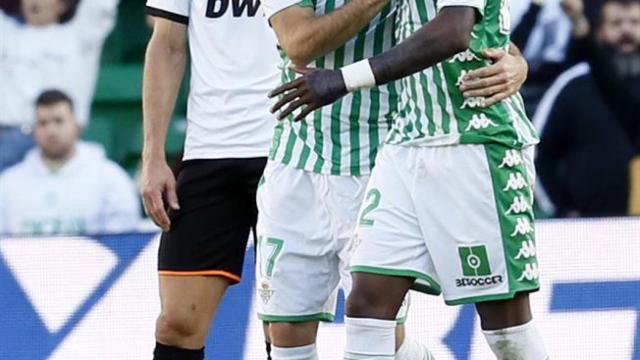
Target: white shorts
305, 228
458, 218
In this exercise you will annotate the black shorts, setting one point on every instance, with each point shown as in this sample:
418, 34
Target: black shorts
218, 209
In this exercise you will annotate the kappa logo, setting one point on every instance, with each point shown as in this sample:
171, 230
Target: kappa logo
265, 292
511, 159
465, 56
479, 121
519, 205
460, 80
516, 182
527, 250
523, 227
530, 272
473, 102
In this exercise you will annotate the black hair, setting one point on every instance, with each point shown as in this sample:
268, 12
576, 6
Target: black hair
52, 97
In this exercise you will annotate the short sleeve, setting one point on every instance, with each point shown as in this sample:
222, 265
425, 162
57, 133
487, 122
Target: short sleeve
272, 7
174, 10
478, 4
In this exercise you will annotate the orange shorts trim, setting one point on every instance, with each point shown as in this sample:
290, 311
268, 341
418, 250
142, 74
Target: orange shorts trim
222, 273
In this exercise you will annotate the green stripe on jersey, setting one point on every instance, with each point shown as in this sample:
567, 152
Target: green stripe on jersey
342, 139
434, 112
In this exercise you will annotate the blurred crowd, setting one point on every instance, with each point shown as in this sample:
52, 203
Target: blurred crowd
582, 93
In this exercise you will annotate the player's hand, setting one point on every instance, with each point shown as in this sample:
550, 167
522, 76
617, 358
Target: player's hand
318, 87
157, 183
497, 81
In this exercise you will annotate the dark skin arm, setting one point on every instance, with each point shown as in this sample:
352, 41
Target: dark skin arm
448, 34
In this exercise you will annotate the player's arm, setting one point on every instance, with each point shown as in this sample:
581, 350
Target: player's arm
304, 36
443, 37
496, 82
163, 71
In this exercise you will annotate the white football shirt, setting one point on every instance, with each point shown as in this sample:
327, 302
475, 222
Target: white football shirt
234, 62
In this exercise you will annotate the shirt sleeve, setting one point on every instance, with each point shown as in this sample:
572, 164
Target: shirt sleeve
272, 7
174, 10
478, 4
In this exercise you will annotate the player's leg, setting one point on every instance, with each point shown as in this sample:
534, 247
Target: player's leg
202, 254
296, 271
344, 202
188, 306
482, 241
372, 307
509, 329
267, 339
252, 176
508, 324
390, 254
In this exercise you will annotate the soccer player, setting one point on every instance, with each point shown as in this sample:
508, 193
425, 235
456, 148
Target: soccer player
212, 207
319, 167
449, 204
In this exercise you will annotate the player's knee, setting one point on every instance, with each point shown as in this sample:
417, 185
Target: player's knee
293, 334
504, 313
175, 325
368, 303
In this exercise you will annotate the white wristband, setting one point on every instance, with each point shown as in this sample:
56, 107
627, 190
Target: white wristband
358, 76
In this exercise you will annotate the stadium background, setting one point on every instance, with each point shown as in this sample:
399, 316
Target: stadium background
95, 297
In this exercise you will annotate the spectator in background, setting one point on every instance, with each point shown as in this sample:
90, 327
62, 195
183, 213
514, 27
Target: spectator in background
543, 29
589, 120
65, 186
49, 44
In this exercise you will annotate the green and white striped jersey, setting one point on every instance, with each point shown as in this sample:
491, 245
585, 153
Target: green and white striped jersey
432, 110
343, 138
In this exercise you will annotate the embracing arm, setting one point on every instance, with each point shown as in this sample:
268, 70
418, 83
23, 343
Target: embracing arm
496, 82
304, 36
448, 34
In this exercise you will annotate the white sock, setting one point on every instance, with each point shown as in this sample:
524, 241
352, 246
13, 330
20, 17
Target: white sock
517, 343
413, 350
307, 352
370, 339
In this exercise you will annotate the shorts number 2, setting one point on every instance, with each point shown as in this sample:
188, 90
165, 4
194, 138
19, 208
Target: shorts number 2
373, 197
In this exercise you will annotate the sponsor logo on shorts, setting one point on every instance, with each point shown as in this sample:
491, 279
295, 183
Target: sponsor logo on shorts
475, 261
483, 281
530, 272
475, 267
265, 292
